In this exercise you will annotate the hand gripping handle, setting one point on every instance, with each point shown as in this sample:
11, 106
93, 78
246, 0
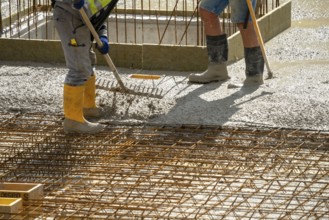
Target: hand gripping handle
100, 44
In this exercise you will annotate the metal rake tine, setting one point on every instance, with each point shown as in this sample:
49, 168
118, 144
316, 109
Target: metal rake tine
158, 92
101, 82
133, 89
142, 89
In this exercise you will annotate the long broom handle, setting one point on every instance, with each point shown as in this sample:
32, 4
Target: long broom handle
259, 36
100, 44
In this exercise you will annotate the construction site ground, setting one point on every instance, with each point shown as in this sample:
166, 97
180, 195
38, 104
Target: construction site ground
296, 98
200, 152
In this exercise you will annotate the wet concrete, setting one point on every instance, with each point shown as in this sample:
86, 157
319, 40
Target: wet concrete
298, 96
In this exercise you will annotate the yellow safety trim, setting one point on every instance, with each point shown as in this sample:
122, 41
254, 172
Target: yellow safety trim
96, 5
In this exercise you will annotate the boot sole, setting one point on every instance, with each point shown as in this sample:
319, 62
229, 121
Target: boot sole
208, 81
70, 128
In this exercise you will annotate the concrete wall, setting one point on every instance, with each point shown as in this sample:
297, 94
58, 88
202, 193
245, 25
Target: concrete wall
147, 56
153, 30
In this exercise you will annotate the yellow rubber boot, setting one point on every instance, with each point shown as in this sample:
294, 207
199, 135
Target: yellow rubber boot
74, 121
89, 104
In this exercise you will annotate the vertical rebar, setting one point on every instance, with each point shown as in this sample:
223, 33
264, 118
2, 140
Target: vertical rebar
10, 20
142, 15
178, 15
1, 28
125, 21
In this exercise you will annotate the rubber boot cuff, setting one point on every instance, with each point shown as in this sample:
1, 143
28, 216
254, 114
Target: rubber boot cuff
217, 47
254, 61
90, 93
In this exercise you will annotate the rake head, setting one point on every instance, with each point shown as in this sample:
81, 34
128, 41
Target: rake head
132, 89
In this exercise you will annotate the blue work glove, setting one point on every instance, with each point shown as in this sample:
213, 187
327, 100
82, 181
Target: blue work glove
78, 4
106, 47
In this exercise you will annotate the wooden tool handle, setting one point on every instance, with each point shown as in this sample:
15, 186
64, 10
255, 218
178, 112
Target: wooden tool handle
100, 44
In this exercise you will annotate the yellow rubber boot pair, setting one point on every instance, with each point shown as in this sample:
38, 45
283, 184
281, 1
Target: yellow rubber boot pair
74, 102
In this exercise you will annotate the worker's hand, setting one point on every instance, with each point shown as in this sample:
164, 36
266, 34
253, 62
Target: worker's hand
106, 47
78, 4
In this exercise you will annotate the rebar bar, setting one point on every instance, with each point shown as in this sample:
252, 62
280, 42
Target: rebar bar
161, 172
30, 19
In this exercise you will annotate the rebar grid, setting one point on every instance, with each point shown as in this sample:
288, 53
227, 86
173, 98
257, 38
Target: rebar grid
161, 172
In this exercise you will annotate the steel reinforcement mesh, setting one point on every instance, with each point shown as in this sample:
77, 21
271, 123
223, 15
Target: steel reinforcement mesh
166, 172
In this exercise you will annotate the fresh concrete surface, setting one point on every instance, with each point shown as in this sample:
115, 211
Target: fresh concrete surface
298, 96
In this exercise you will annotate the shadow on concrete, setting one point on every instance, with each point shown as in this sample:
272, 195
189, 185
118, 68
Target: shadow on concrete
197, 110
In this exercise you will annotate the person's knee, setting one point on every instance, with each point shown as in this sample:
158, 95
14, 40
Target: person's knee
77, 77
248, 35
207, 16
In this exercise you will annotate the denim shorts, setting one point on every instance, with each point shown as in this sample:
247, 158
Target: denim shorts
239, 8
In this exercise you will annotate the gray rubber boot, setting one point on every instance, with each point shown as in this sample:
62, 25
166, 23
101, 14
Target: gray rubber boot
254, 66
217, 47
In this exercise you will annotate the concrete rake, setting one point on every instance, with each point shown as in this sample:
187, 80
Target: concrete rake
119, 86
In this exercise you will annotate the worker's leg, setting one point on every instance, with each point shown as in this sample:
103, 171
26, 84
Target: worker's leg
253, 55
76, 43
217, 45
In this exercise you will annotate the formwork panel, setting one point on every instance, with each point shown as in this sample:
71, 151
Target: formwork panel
166, 172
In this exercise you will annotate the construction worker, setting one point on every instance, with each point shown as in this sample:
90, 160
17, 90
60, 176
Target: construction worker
217, 45
79, 99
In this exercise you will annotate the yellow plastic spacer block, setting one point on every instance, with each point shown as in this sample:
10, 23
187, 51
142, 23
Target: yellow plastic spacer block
25, 191
10, 205
144, 76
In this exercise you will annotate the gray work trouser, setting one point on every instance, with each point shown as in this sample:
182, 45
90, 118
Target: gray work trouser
80, 57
